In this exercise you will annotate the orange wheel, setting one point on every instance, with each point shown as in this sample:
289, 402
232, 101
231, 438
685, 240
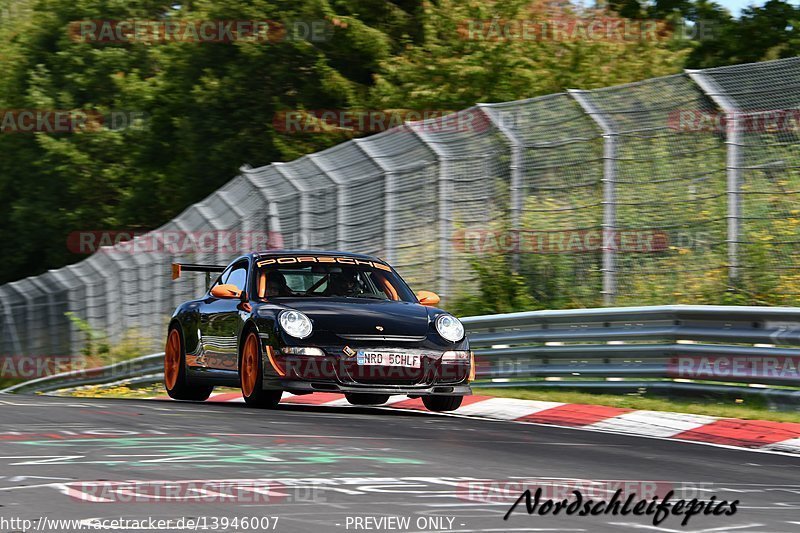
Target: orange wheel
172, 359
250, 366
251, 377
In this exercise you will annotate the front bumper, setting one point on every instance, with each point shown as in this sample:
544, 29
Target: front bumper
304, 387
339, 373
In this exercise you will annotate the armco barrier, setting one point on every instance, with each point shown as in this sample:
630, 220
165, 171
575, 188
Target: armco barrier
151, 366
701, 348
713, 349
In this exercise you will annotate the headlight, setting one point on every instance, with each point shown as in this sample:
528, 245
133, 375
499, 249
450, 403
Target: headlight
450, 328
295, 323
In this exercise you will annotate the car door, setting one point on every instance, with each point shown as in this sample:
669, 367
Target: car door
219, 324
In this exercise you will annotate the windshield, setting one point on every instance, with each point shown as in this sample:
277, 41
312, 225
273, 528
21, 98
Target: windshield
331, 281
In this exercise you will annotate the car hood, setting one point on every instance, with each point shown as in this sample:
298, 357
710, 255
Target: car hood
350, 316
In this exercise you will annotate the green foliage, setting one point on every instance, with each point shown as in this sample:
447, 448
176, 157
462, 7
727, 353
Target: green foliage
501, 290
96, 346
94, 343
771, 31
210, 107
459, 63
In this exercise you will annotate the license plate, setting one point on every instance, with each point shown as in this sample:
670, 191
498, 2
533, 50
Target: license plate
366, 358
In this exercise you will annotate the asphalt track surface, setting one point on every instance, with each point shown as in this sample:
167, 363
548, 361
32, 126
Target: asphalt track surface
320, 469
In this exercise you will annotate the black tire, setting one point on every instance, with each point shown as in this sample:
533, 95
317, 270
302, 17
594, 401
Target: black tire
254, 395
366, 399
442, 403
182, 388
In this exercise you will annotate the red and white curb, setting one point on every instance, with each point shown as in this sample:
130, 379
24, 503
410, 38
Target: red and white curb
760, 435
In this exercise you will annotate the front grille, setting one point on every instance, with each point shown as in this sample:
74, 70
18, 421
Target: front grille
383, 338
387, 375
395, 382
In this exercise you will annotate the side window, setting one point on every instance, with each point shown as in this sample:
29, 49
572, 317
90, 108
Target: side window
238, 276
222, 277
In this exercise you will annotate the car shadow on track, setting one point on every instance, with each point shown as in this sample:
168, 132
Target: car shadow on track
305, 408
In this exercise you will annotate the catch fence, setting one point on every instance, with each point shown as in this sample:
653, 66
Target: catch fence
681, 189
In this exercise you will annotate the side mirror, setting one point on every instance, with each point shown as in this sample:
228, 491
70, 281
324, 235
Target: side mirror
427, 298
226, 291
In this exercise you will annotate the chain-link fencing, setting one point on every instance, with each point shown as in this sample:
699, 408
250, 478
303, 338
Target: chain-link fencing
681, 189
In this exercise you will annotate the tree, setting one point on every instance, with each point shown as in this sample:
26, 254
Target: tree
207, 109
478, 52
762, 33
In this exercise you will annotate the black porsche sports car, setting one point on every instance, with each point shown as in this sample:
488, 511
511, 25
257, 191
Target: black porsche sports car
305, 321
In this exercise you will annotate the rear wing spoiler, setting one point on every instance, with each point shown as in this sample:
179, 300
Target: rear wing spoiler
179, 268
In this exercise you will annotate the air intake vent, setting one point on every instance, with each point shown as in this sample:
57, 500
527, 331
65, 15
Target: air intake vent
383, 338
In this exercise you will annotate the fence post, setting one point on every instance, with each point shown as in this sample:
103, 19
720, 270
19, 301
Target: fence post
272, 219
515, 168
389, 205
50, 313
609, 194
445, 182
305, 208
62, 275
22, 343
733, 165
733, 171
341, 214
11, 328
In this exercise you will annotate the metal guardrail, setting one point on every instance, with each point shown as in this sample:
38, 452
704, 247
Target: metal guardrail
711, 349
150, 366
